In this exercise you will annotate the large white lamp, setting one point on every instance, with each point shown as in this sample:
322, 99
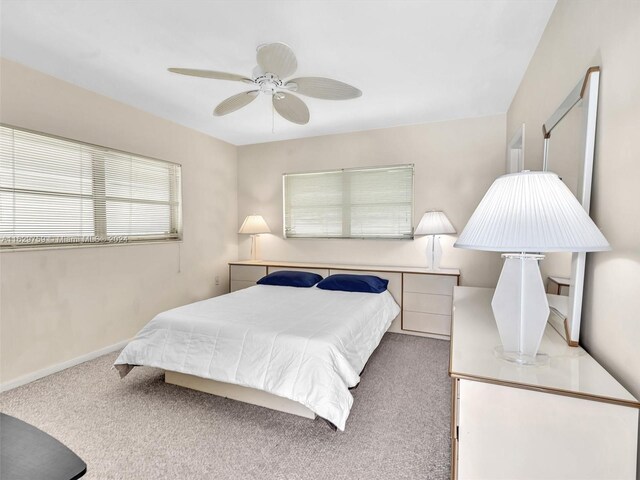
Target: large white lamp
434, 223
527, 213
254, 225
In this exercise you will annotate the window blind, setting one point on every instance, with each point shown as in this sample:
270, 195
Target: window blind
59, 191
372, 202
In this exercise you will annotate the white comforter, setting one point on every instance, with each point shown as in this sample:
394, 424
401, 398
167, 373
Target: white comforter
305, 344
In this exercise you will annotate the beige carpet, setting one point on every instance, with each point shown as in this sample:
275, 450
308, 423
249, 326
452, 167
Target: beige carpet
141, 428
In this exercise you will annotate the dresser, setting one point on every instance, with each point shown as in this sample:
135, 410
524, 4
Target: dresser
569, 419
425, 296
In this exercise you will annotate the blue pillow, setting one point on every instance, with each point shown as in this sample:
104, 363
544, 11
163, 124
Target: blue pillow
289, 278
354, 283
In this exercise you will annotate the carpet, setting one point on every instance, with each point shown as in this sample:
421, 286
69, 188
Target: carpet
141, 428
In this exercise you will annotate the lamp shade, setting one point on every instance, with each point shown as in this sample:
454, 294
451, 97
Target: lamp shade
531, 212
434, 223
254, 224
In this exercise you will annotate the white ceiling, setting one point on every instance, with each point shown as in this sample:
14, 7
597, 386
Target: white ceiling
415, 61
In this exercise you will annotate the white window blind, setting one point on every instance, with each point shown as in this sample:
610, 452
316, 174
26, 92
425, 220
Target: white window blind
372, 202
59, 191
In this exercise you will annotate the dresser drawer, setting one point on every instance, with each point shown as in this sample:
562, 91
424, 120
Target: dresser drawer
427, 303
426, 322
247, 273
425, 283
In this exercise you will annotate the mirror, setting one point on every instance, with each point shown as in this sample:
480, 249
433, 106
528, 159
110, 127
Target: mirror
515, 152
569, 147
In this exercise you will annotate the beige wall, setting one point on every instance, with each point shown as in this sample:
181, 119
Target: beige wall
59, 304
581, 34
455, 163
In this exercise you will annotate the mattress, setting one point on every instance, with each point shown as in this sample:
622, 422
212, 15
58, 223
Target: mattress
305, 344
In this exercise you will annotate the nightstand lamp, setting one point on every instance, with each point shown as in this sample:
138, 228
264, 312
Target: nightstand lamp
433, 224
527, 213
254, 225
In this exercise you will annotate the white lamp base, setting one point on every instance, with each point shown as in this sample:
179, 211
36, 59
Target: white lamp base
521, 309
254, 247
540, 359
434, 252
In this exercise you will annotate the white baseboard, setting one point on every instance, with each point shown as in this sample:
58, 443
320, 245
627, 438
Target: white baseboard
30, 377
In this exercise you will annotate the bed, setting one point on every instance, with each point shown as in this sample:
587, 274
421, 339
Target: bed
293, 349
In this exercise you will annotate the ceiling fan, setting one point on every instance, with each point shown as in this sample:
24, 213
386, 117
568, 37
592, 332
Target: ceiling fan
275, 62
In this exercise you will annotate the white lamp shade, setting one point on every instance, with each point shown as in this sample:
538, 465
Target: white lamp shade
253, 225
531, 212
434, 223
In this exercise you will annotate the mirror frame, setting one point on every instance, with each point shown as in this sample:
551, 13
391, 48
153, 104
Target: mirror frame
586, 90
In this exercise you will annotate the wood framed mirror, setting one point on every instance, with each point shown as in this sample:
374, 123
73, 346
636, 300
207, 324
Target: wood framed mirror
569, 149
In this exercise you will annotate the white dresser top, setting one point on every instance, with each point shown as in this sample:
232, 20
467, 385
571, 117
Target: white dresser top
571, 370
340, 266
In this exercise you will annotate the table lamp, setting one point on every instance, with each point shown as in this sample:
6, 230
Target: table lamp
434, 223
254, 225
527, 213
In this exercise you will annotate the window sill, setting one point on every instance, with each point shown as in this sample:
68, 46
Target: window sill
86, 245
347, 238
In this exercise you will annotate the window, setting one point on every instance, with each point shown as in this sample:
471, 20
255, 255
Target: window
59, 191
351, 203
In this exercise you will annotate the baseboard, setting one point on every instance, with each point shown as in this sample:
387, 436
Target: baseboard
31, 377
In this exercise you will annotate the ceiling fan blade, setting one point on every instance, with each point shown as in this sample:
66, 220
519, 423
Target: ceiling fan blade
277, 58
325, 88
210, 74
235, 102
291, 108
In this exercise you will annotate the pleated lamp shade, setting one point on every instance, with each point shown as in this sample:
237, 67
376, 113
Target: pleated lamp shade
254, 224
531, 212
434, 223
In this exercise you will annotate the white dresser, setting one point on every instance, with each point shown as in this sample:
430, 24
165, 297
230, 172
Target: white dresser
425, 296
567, 420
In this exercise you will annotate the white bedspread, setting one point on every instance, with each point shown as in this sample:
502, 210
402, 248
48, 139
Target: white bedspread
305, 344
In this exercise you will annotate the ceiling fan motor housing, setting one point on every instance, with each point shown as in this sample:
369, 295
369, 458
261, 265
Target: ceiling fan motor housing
269, 83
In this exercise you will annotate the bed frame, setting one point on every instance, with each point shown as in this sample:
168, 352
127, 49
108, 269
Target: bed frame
260, 397
237, 392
